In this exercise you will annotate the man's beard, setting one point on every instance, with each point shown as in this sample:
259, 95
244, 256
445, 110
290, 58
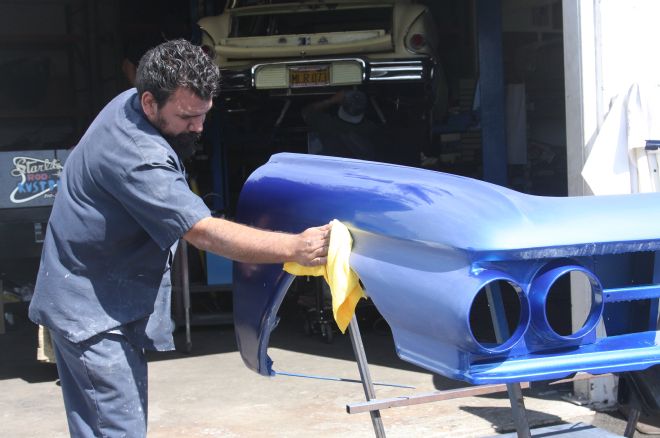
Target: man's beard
183, 144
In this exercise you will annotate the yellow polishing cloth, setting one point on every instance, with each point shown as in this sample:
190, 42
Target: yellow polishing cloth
343, 281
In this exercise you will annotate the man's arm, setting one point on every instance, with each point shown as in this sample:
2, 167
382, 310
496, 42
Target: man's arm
322, 105
252, 245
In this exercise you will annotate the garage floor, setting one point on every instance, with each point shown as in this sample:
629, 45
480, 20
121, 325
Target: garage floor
210, 393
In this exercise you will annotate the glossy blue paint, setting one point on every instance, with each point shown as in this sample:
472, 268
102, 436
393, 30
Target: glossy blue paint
426, 243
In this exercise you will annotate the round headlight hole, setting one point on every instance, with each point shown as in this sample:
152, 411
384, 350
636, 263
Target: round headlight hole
498, 300
558, 305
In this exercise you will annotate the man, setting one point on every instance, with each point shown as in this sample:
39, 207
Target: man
347, 134
103, 287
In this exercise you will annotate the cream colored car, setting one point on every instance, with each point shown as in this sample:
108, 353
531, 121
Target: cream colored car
388, 48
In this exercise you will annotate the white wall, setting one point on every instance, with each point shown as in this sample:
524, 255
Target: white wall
630, 40
608, 46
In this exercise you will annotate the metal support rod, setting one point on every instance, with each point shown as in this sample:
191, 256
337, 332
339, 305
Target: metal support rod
518, 410
367, 384
492, 94
500, 325
285, 108
429, 397
185, 288
339, 379
633, 418
449, 394
379, 111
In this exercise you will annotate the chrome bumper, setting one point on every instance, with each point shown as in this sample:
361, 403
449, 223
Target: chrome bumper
346, 72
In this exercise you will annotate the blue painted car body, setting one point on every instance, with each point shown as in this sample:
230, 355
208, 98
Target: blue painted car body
427, 243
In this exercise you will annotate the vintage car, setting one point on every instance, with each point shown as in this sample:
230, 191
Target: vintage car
287, 48
463, 271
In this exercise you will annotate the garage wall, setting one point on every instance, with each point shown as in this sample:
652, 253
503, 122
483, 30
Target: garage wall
57, 64
609, 46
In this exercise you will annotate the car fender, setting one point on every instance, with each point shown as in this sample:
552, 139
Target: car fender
426, 244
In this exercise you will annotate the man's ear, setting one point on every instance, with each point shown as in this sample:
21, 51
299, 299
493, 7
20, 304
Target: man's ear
149, 105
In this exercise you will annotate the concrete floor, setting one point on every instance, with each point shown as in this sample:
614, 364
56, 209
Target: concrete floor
210, 393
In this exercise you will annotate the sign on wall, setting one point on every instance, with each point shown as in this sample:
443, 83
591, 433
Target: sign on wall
30, 178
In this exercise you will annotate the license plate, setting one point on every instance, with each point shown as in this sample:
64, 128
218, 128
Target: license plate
309, 76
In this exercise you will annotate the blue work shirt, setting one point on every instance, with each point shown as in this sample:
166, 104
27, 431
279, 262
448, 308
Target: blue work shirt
122, 205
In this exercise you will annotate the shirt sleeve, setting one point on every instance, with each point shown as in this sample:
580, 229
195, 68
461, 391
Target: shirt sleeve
154, 191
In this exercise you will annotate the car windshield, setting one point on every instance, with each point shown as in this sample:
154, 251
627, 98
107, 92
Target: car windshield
314, 21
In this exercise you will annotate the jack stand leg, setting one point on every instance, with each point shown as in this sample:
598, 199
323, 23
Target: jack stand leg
367, 384
518, 410
633, 418
498, 315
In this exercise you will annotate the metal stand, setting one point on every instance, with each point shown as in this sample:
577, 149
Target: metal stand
518, 410
182, 290
500, 325
633, 418
367, 384
372, 405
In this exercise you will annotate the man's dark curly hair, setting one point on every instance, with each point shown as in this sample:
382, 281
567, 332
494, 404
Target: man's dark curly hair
174, 64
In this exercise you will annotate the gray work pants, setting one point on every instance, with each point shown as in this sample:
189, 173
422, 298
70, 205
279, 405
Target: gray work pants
104, 384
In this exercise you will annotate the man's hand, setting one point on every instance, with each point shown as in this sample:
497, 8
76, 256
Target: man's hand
337, 98
322, 105
312, 246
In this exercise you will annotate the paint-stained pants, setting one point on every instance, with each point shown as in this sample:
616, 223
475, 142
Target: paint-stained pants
104, 384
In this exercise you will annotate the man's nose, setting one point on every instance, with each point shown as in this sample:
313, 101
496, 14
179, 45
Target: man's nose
196, 124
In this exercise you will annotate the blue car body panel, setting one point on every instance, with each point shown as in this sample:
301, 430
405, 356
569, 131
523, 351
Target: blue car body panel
426, 243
